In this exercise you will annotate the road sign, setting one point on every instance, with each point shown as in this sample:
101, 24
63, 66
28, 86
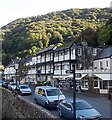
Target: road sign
69, 71
77, 75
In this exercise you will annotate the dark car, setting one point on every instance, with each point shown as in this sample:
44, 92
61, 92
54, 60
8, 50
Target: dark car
5, 84
1, 82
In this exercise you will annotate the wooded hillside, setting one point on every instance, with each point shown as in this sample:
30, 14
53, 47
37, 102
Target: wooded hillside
25, 36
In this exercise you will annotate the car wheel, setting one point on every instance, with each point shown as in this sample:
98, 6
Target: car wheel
10, 89
46, 105
21, 93
36, 101
60, 113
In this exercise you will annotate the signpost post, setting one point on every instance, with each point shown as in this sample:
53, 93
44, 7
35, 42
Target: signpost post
74, 90
16, 68
75, 75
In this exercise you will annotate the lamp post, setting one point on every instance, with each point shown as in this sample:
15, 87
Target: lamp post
74, 90
16, 68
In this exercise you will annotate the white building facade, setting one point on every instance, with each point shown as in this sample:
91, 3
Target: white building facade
101, 73
103, 70
93, 66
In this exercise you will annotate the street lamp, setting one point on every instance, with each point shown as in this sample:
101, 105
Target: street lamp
16, 68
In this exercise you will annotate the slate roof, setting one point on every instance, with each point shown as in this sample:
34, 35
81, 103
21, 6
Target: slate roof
27, 59
46, 49
105, 53
65, 46
13, 62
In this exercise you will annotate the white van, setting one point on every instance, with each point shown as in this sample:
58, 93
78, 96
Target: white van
48, 96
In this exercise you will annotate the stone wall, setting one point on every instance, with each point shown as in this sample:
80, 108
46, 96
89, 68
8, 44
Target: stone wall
15, 106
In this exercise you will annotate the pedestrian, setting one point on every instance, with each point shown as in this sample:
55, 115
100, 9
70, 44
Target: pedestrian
57, 84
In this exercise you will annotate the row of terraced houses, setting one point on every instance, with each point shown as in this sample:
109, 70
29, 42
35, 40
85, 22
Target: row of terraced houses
93, 66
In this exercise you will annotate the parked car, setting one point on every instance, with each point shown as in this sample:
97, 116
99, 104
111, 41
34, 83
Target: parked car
12, 85
84, 111
5, 84
1, 82
24, 89
48, 96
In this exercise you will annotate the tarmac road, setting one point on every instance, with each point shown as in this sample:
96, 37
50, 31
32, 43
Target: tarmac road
99, 103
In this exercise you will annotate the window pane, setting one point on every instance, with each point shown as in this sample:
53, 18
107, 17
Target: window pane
110, 83
95, 83
53, 92
104, 84
82, 106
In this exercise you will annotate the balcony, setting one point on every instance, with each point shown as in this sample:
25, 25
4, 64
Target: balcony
42, 71
57, 72
55, 59
63, 72
47, 59
95, 71
61, 58
43, 60
67, 57
48, 71
39, 61
72, 56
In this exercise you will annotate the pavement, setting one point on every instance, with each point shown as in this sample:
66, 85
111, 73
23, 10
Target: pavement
86, 93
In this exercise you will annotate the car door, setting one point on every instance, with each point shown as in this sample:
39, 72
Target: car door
43, 97
67, 110
39, 95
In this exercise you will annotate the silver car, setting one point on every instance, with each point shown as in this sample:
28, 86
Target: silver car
24, 89
84, 111
48, 96
12, 85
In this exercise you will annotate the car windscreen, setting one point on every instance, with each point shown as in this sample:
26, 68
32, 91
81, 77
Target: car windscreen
13, 84
24, 87
82, 105
53, 92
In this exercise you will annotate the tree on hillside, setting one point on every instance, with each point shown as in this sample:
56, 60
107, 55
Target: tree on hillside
105, 34
90, 36
57, 37
22, 70
56, 27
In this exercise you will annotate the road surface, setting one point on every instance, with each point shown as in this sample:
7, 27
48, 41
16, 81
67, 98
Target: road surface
101, 104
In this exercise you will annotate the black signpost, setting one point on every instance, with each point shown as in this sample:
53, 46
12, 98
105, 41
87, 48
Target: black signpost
77, 75
74, 89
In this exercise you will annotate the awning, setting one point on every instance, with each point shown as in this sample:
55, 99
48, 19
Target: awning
60, 77
104, 76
